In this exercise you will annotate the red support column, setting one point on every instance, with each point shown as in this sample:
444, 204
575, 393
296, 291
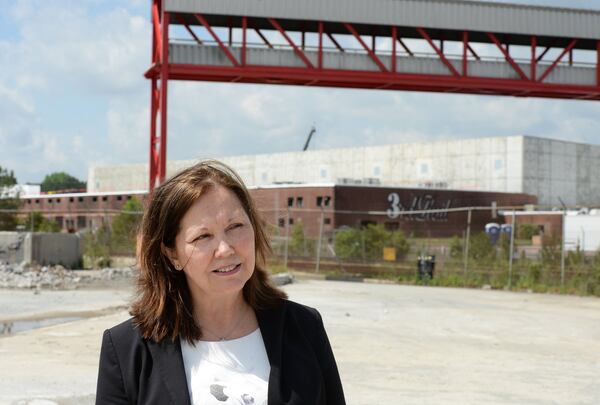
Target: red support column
320, 61
533, 74
598, 63
244, 29
164, 79
394, 55
465, 65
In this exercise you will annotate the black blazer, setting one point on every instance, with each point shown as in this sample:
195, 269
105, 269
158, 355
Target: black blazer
134, 370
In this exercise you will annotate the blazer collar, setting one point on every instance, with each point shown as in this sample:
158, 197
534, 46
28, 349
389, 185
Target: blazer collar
270, 322
169, 361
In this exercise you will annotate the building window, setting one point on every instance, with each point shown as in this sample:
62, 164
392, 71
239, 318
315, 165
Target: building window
319, 201
377, 171
327, 221
327, 200
94, 199
290, 201
80, 199
37, 201
323, 173
265, 177
80, 222
105, 198
129, 197
28, 201
71, 199
299, 201
498, 164
291, 221
424, 168
58, 200
49, 200
281, 222
119, 198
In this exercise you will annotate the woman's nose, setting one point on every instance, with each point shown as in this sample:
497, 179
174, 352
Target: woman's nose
224, 249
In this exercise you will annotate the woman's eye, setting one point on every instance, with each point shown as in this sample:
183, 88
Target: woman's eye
200, 237
236, 226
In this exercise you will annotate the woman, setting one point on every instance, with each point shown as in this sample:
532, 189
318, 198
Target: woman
207, 327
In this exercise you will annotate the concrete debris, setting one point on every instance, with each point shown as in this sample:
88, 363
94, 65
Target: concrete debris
37, 278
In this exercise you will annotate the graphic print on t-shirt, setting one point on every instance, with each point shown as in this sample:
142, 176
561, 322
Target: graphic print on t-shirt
217, 391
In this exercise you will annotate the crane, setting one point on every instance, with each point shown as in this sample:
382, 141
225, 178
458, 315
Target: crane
310, 134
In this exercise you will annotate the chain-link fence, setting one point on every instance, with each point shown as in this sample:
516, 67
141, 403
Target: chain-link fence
457, 246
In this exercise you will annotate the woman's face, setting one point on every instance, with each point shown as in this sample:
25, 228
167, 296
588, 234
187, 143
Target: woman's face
215, 244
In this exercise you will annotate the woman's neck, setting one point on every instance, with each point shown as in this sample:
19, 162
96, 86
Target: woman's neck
222, 316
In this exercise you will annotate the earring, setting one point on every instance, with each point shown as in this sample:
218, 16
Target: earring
177, 267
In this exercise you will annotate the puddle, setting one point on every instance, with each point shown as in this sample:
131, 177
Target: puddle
8, 328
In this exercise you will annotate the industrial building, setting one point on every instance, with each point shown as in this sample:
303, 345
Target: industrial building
337, 206
554, 171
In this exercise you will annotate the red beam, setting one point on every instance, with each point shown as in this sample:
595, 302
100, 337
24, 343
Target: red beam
189, 30
373, 79
297, 50
266, 41
225, 50
562, 54
332, 39
473, 52
377, 61
446, 62
507, 56
405, 47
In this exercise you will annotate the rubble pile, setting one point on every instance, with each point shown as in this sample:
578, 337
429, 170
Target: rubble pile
34, 276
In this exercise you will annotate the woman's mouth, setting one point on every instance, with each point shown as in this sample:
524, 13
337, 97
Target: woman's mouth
228, 270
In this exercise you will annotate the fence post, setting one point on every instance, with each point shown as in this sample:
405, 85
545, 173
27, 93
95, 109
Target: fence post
320, 239
562, 250
31, 225
512, 244
468, 237
287, 238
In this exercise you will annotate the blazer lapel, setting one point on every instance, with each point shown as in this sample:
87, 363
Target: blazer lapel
168, 360
270, 323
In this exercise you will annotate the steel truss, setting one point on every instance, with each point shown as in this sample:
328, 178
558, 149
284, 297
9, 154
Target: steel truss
457, 80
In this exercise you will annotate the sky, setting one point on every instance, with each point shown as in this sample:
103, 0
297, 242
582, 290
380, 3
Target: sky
73, 95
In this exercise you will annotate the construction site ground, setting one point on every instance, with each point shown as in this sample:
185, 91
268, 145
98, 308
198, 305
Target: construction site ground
394, 344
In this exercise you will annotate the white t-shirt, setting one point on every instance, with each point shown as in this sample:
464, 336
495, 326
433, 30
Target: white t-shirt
229, 372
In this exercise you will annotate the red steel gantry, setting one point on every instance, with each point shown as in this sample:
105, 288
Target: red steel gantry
215, 56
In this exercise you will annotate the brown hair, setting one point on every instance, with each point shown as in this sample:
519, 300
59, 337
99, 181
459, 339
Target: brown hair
163, 307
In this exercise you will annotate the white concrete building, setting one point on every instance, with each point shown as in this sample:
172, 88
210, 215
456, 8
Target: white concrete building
552, 170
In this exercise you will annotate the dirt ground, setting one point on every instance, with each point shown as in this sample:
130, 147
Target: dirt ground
394, 344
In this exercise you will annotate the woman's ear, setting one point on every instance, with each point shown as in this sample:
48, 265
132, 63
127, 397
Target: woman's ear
172, 255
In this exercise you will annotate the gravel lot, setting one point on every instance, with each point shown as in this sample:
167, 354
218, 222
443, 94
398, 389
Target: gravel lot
394, 344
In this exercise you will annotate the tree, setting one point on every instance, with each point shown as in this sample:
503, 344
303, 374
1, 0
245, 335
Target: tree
369, 241
7, 178
40, 223
61, 181
8, 205
125, 227
97, 246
